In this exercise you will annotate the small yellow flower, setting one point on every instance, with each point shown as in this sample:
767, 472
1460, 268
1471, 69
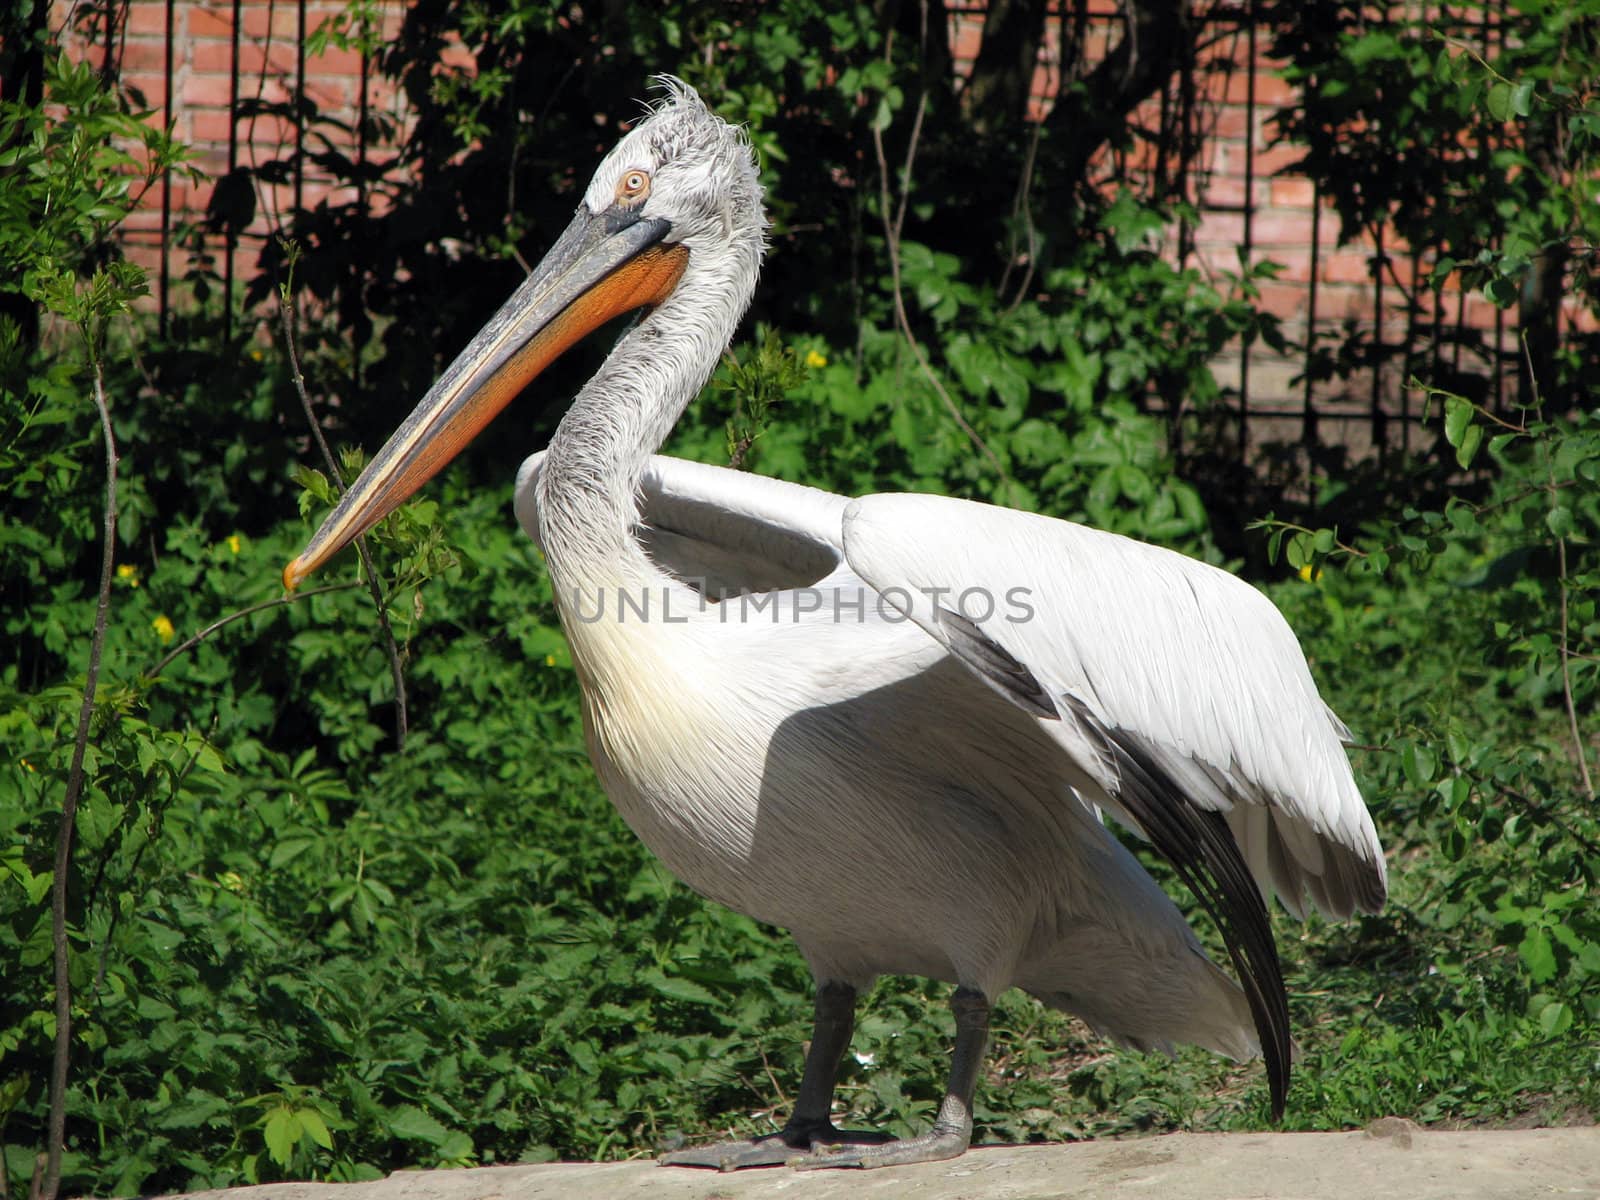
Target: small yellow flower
129, 574
255, 354
163, 627
815, 360
28, 766
232, 881
1307, 575
549, 660
234, 543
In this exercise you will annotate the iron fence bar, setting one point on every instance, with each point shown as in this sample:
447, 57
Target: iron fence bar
299, 106
231, 233
1248, 248
1308, 413
164, 278
108, 58
1380, 428
1413, 309
1487, 33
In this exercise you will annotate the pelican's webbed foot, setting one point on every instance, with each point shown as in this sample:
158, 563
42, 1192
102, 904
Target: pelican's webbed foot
939, 1143
774, 1150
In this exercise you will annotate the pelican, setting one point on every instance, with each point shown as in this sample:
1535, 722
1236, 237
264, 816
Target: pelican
891, 724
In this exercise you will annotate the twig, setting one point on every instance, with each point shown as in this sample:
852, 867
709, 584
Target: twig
1545, 813
891, 229
1561, 580
286, 313
1023, 208
190, 643
69, 811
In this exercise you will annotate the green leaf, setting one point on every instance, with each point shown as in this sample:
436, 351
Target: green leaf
1457, 417
1555, 1018
1538, 955
1522, 98
1418, 763
1468, 449
410, 1122
1499, 101
279, 1138
678, 988
313, 1124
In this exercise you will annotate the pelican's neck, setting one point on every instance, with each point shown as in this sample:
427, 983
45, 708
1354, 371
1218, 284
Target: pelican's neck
588, 489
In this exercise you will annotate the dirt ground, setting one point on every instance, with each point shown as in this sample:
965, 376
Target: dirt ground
1392, 1159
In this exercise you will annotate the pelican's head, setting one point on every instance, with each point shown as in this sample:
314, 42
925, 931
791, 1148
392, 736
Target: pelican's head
686, 166
678, 197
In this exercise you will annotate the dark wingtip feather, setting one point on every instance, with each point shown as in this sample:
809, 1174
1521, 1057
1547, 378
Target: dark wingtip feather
995, 665
1201, 848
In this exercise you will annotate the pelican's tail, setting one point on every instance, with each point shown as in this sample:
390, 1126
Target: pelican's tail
1125, 994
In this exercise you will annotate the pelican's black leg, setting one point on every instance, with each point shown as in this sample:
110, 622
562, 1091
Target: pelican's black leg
811, 1122
952, 1130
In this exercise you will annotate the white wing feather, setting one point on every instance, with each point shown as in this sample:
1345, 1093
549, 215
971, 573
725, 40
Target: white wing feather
728, 532
1189, 665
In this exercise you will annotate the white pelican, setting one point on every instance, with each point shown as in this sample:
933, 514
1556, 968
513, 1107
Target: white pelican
890, 724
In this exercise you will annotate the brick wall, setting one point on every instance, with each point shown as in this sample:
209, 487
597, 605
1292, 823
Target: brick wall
1243, 190
191, 79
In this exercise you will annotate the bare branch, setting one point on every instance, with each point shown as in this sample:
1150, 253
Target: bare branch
222, 622
396, 670
891, 231
1564, 646
47, 1188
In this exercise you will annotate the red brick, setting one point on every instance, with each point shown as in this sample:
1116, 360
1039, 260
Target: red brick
335, 61
1270, 89
150, 84
1480, 312
1228, 190
210, 126
210, 160
1343, 301
190, 197
273, 89
208, 23
143, 218
454, 54
1287, 301
1272, 159
146, 19
143, 54
270, 136
254, 58
1578, 317
212, 91
280, 20
1230, 122
967, 37
1346, 265
1292, 191
329, 95
1284, 227
1295, 266
1220, 228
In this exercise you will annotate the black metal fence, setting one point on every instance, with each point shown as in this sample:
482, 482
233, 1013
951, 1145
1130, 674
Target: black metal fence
1208, 134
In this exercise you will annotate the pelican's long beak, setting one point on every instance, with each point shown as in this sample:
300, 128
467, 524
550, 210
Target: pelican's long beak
604, 265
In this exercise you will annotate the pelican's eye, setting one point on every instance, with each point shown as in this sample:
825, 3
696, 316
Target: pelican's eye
633, 187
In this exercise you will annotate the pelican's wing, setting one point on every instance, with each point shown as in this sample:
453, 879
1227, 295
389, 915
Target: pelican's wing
722, 531
1181, 668
1180, 689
